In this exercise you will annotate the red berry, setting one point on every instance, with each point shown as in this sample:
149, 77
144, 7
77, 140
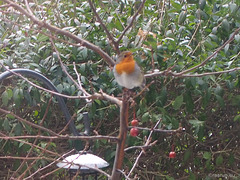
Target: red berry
172, 154
134, 132
134, 122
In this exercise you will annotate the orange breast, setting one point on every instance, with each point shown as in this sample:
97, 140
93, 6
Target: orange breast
125, 66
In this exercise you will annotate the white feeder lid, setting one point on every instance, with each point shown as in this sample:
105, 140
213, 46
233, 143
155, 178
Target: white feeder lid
77, 161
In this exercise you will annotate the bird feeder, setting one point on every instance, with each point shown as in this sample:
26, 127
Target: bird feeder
84, 162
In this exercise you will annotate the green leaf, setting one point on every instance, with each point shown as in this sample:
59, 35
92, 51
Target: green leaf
176, 5
5, 98
231, 159
60, 88
219, 160
218, 90
207, 155
42, 37
6, 125
18, 129
189, 101
178, 102
16, 97
145, 117
237, 118
202, 4
226, 25
220, 100
196, 122
182, 17
187, 155
233, 8
169, 178
192, 176
237, 37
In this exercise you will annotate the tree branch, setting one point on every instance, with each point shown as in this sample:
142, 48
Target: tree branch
146, 144
212, 55
57, 30
100, 95
170, 73
119, 155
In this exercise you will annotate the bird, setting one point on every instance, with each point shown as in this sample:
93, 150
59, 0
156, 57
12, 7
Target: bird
127, 72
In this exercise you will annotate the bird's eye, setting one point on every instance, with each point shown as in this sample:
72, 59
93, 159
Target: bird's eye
125, 55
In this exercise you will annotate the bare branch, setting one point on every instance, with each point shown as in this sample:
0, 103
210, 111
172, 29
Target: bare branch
171, 131
170, 73
79, 82
100, 95
4, 6
3, 136
141, 147
28, 8
49, 165
113, 138
146, 144
105, 96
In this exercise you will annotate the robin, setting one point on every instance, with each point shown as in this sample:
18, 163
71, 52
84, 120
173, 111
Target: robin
127, 72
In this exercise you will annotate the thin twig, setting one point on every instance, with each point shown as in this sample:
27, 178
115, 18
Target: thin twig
66, 126
179, 130
170, 73
124, 174
44, 89
146, 144
68, 137
85, 93
30, 151
141, 147
3, 136
49, 165
80, 83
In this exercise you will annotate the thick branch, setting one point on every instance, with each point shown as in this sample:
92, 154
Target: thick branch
119, 156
